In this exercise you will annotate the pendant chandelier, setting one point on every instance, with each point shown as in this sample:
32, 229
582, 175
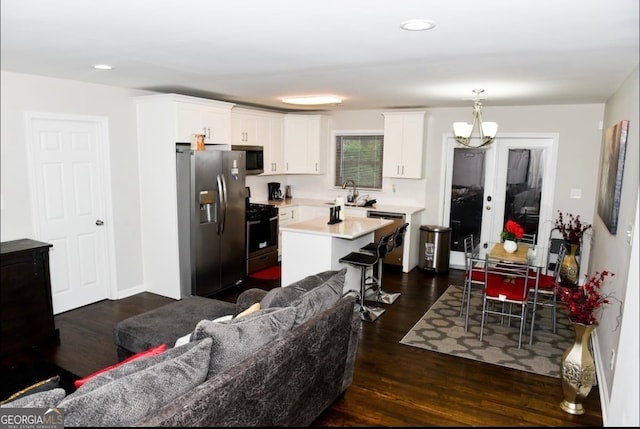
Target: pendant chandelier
462, 130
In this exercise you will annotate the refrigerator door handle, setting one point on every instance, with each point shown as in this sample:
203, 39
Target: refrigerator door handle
222, 184
220, 211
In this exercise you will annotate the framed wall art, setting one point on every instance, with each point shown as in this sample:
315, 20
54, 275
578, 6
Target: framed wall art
611, 170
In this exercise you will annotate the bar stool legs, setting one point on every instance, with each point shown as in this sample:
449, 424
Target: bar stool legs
375, 292
368, 314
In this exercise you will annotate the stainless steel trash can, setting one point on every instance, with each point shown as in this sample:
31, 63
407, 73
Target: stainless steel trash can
435, 245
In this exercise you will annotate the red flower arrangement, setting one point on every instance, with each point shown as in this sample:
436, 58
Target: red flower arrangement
573, 230
583, 300
512, 231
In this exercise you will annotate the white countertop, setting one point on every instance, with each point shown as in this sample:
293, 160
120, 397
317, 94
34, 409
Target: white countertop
350, 228
293, 202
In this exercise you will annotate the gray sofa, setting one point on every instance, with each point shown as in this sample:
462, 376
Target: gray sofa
282, 365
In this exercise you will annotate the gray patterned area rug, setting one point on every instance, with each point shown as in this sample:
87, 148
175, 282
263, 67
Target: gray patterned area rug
441, 329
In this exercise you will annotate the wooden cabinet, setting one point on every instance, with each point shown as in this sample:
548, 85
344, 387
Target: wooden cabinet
162, 122
260, 128
201, 118
404, 134
273, 148
286, 215
244, 128
26, 310
304, 138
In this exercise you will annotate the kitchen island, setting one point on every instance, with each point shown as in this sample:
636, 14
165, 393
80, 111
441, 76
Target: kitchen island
313, 246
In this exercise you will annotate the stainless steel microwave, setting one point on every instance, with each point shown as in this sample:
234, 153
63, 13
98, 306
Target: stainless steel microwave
254, 158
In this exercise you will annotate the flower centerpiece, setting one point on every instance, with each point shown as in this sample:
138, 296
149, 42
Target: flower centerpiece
582, 300
573, 230
511, 233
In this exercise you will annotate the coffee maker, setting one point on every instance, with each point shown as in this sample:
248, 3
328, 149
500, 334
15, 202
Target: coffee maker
275, 194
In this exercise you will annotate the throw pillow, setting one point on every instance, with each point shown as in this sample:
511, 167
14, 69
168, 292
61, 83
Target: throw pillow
186, 338
248, 298
41, 386
235, 340
46, 399
284, 296
123, 396
320, 298
252, 309
150, 352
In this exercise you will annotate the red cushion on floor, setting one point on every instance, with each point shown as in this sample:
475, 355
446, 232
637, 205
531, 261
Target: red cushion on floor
150, 352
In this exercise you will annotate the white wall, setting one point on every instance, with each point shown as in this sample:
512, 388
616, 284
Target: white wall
618, 376
22, 93
579, 150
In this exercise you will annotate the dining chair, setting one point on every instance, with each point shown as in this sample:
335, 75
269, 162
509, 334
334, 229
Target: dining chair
544, 286
555, 242
506, 284
529, 239
473, 276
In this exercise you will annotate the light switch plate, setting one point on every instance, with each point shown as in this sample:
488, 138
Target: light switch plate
575, 194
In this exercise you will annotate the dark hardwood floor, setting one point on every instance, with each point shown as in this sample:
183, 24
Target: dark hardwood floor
393, 385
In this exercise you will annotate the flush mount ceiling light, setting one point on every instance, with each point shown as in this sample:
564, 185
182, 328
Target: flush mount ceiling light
417, 25
463, 130
313, 100
103, 67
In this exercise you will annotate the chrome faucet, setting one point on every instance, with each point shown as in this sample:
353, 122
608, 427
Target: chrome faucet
354, 191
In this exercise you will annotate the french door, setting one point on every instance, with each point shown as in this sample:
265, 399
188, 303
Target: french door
510, 179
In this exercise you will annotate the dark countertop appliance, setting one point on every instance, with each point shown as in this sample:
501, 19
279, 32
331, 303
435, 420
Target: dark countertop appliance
275, 193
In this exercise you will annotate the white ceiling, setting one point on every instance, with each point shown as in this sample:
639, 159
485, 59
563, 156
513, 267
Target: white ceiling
253, 52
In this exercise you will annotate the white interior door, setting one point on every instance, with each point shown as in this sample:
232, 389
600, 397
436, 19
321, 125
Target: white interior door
509, 179
68, 163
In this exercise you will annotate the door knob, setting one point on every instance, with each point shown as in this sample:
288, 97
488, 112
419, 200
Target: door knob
99, 222
488, 207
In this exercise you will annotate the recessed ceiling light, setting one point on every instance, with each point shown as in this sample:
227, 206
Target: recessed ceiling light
103, 67
313, 100
417, 25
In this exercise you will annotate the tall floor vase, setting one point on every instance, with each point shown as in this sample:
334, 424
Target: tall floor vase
578, 371
570, 269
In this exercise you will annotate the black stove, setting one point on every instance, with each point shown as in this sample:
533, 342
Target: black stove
257, 211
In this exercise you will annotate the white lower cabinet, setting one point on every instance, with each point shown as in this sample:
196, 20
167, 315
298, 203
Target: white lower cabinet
286, 215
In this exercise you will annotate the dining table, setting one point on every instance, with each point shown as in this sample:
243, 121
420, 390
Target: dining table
532, 255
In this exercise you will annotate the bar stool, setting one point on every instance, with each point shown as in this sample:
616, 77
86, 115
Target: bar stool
376, 277
364, 261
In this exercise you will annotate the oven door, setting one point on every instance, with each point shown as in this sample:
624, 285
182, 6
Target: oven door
262, 236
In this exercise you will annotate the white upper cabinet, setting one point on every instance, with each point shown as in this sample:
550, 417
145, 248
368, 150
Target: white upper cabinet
304, 137
404, 134
273, 151
260, 128
244, 128
209, 118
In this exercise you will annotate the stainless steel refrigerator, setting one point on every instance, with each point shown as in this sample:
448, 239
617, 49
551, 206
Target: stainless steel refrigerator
211, 219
